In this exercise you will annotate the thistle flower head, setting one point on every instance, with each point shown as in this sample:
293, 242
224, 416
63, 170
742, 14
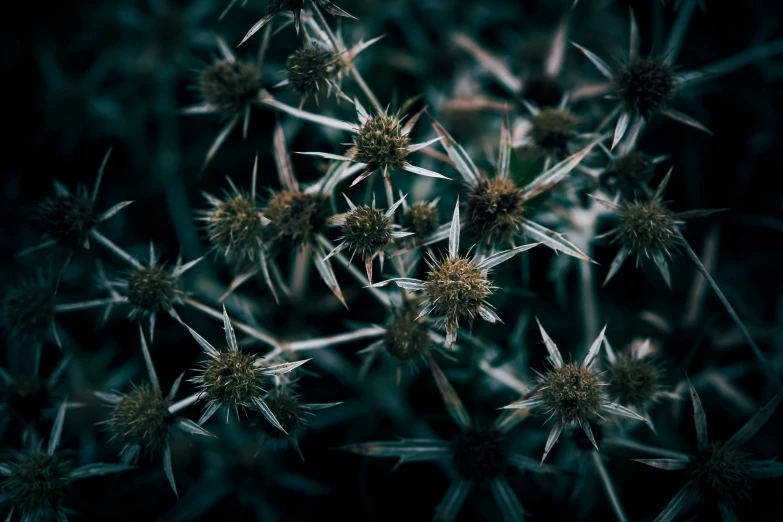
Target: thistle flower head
647, 228
479, 454
141, 418
37, 483
367, 230
573, 393
381, 143
67, 218
235, 228
151, 289
296, 216
406, 338
722, 474
633, 381
456, 287
421, 218
553, 129
644, 85
28, 310
495, 208
229, 85
309, 70
289, 411
628, 172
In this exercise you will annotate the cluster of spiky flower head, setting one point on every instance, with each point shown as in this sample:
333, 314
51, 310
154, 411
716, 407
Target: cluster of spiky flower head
633, 381
479, 453
553, 130
36, 485
421, 218
151, 289
66, 218
296, 216
721, 473
406, 338
628, 172
573, 393
456, 288
380, 143
310, 69
141, 418
229, 85
235, 228
367, 230
494, 207
231, 378
644, 85
647, 228
28, 310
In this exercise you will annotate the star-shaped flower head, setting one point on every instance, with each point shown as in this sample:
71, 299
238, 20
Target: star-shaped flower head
36, 480
68, 220
142, 419
367, 232
457, 287
295, 6
380, 142
479, 456
572, 394
495, 206
719, 473
233, 378
648, 230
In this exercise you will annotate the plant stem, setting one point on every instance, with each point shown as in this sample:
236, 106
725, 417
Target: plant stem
105, 241
253, 332
608, 486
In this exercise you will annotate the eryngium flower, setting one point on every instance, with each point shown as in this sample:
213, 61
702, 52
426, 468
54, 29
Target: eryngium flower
309, 71
233, 379
553, 130
421, 217
229, 85
28, 310
295, 216
627, 172
572, 394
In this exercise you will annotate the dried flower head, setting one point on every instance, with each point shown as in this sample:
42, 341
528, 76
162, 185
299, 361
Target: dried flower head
66, 218
289, 411
636, 379
37, 483
553, 130
229, 85
309, 70
406, 338
28, 310
722, 473
296, 216
628, 172
151, 289
421, 218
142, 418
495, 209
644, 85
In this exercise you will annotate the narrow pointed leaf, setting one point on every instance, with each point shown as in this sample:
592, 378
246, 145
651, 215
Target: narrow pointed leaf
454, 233
556, 174
685, 497
98, 469
601, 65
621, 127
449, 507
510, 508
699, 419
667, 464
457, 154
592, 353
685, 119
756, 422
112, 211
554, 354
264, 409
191, 427
501, 257
148, 361
423, 172
454, 405
552, 440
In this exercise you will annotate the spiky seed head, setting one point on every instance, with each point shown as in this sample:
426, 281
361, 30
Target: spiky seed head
628, 172
295, 216
230, 86
585, 444
288, 411
37, 483
644, 85
721, 474
633, 382
27, 397
66, 218
366, 231
479, 454
380, 143
456, 288
544, 90
406, 338
494, 208
553, 130
421, 218
308, 70
142, 418
647, 228
235, 229
232, 379
572, 393
28, 311
151, 289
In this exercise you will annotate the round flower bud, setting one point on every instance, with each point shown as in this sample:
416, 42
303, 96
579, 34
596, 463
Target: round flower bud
421, 218
380, 143
632, 382
66, 218
37, 483
232, 378
645, 85
406, 338
628, 172
366, 231
289, 413
234, 228
456, 288
572, 393
151, 289
308, 70
230, 86
142, 418
721, 474
647, 228
479, 454
28, 311
295, 216
494, 209
552, 130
